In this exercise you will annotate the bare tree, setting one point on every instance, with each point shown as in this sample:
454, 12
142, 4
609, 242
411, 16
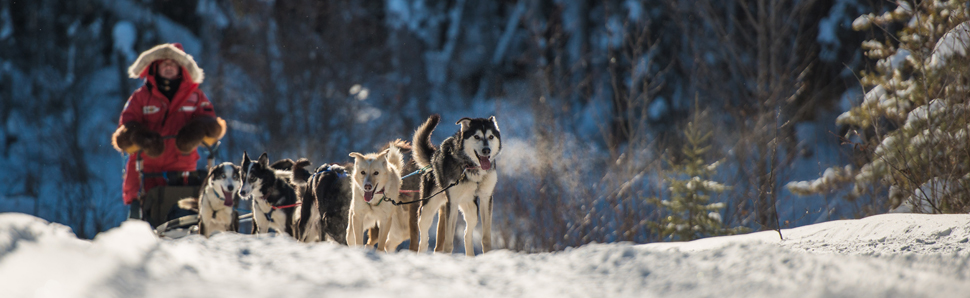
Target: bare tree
762, 50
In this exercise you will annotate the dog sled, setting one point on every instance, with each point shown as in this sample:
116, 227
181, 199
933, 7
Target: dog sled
159, 205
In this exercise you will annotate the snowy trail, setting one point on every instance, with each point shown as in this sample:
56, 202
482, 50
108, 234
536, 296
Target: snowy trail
898, 255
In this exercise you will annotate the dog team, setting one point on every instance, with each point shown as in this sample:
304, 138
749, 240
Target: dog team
381, 195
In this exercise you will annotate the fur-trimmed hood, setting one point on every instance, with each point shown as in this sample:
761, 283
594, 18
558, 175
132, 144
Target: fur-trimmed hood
173, 51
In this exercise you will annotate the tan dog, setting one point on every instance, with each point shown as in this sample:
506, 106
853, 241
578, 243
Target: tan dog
377, 177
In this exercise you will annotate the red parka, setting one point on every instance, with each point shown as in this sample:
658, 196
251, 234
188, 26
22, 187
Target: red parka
149, 107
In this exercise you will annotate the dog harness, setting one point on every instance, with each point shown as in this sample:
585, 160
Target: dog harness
329, 168
269, 215
385, 198
396, 203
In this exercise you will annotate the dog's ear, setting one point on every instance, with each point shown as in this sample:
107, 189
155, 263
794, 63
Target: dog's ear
245, 158
208, 176
356, 155
264, 160
394, 157
464, 122
494, 123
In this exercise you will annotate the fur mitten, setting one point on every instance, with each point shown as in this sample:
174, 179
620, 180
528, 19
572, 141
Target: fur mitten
121, 140
213, 138
197, 130
134, 136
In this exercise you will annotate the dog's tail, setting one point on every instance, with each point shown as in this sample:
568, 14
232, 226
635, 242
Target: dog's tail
403, 145
301, 174
189, 204
422, 147
283, 164
394, 155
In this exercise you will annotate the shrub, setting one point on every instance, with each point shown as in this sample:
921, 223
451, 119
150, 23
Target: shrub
914, 116
689, 213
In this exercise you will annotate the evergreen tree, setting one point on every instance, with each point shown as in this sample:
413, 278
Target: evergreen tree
913, 121
689, 213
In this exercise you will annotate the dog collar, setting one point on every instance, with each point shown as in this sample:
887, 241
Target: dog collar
330, 168
218, 195
211, 206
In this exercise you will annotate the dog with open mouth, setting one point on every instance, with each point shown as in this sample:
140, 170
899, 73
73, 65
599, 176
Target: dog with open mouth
217, 200
376, 179
463, 176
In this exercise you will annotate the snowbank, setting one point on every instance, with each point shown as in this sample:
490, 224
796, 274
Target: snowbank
897, 255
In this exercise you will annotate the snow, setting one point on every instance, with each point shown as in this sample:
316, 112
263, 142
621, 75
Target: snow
928, 195
922, 115
893, 255
904, 9
863, 22
830, 177
878, 97
956, 41
897, 60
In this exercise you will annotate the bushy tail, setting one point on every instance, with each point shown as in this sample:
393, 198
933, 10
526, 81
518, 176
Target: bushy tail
400, 144
301, 181
422, 147
301, 172
189, 204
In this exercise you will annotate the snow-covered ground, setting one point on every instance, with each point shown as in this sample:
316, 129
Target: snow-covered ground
894, 255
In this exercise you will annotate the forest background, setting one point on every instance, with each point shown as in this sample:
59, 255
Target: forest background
602, 104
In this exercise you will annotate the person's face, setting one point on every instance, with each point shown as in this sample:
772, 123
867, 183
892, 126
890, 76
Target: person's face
168, 69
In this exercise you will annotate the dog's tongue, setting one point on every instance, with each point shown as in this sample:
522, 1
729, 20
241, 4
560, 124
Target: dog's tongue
486, 164
228, 196
368, 195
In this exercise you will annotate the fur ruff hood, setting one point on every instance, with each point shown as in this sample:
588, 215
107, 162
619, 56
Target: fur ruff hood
173, 51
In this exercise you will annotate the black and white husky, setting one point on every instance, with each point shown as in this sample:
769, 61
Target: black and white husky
467, 160
216, 200
274, 198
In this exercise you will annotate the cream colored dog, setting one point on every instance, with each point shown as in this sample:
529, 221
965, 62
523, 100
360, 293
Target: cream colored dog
377, 182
